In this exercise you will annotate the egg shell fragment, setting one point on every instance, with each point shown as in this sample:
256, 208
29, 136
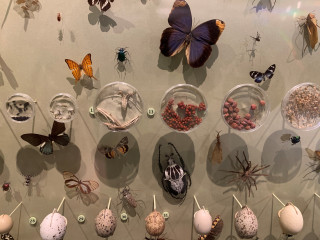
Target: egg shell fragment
291, 220
202, 221
6, 223
53, 227
246, 223
106, 223
155, 223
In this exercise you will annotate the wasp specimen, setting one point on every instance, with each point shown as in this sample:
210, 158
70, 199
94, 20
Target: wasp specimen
217, 151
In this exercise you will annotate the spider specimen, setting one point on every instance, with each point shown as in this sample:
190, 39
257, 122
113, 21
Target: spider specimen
247, 173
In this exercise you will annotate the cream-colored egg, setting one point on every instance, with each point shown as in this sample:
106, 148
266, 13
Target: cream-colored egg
6, 223
246, 223
106, 223
202, 221
53, 227
155, 223
291, 220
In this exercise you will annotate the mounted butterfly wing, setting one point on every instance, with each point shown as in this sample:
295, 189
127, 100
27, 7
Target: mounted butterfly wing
111, 152
76, 68
45, 142
197, 42
85, 187
104, 4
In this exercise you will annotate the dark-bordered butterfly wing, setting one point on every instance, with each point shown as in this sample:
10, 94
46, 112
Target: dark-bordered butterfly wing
198, 41
105, 5
203, 36
71, 181
270, 71
257, 76
122, 146
35, 139
46, 148
88, 186
57, 134
93, 2
180, 20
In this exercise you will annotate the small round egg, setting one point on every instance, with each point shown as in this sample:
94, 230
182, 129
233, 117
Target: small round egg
53, 227
291, 220
202, 221
6, 223
246, 223
106, 223
155, 223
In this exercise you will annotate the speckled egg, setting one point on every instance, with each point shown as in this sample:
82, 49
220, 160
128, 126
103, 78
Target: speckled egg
246, 223
106, 223
291, 220
6, 223
155, 223
202, 221
53, 227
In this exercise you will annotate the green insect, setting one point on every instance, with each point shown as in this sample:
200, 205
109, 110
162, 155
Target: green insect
121, 55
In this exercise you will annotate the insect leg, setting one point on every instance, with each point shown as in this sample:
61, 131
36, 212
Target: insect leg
181, 160
160, 166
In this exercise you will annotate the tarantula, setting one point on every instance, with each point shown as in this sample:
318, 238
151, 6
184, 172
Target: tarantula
247, 173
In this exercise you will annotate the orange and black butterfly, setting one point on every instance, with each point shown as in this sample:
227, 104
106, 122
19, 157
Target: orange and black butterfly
85, 187
111, 152
77, 68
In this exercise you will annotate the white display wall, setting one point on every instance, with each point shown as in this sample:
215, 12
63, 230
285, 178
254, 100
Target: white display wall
32, 61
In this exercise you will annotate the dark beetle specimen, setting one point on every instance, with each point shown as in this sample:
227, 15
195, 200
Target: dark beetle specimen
121, 55
6, 187
247, 173
175, 179
295, 140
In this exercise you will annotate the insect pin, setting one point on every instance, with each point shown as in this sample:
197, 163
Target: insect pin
6, 186
257, 38
59, 17
295, 139
259, 76
126, 195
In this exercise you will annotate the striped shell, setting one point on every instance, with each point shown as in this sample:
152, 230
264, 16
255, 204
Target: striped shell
155, 223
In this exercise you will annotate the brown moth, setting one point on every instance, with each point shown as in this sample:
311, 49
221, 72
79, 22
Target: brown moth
312, 29
217, 151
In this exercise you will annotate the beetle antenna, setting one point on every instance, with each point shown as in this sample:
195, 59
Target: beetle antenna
159, 160
181, 160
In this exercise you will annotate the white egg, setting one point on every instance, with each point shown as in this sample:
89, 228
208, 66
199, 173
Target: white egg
105, 223
291, 220
246, 223
53, 227
202, 221
6, 223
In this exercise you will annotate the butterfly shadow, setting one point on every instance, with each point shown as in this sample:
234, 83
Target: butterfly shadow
97, 17
87, 199
185, 147
120, 171
8, 73
264, 4
84, 83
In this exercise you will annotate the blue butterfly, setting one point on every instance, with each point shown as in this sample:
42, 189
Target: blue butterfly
197, 41
259, 76
56, 136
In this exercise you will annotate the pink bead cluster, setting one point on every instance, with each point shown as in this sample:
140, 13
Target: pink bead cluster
231, 115
189, 115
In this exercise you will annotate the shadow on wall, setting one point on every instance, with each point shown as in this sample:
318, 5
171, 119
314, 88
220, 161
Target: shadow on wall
285, 158
122, 170
30, 162
194, 76
184, 146
232, 144
264, 4
106, 23
8, 73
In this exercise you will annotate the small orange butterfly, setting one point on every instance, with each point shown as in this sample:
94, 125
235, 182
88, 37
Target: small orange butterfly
86, 187
85, 66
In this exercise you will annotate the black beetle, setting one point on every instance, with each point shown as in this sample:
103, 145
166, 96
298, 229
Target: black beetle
295, 139
175, 178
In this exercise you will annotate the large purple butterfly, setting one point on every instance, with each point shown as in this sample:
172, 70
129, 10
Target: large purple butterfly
197, 42
104, 4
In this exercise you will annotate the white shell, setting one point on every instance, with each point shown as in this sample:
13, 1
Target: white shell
202, 221
53, 227
246, 223
6, 223
106, 223
291, 220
